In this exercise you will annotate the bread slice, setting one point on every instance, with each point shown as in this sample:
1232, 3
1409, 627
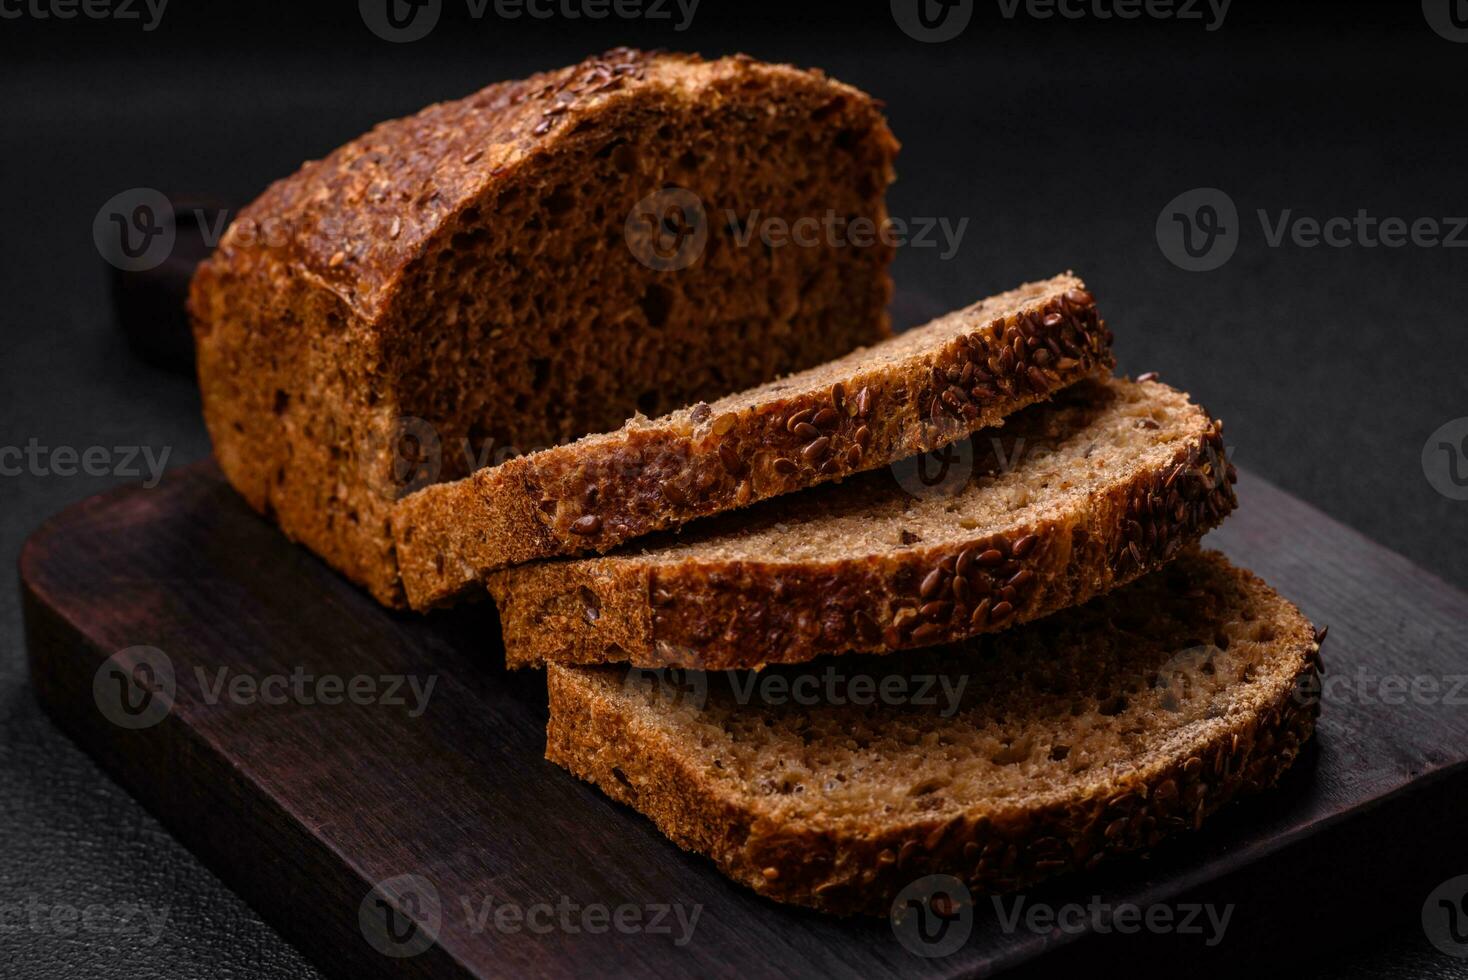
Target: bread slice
1098, 731
913, 393
469, 283
1067, 500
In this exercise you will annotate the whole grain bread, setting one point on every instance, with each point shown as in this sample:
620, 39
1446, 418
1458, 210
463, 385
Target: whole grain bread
1068, 499
467, 283
1053, 747
916, 392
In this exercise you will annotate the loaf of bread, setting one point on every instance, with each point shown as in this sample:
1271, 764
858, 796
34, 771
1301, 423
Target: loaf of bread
403, 347
469, 283
1099, 731
1068, 499
916, 392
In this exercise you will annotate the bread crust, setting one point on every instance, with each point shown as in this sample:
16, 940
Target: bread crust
849, 872
715, 614
984, 363
302, 313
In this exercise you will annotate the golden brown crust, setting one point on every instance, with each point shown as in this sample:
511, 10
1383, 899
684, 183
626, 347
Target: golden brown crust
983, 364
355, 220
714, 614
860, 870
312, 319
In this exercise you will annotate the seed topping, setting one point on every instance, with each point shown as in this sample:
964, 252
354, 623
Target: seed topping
586, 525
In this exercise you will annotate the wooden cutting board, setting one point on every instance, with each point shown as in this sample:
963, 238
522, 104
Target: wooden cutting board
306, 808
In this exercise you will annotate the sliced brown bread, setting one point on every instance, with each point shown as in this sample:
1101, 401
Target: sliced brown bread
474, 280
1096, 732
915, 392
1067, 500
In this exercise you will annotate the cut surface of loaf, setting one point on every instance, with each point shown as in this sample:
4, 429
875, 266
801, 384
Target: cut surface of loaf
924, 389
1068, 499
1001, 761
494, 275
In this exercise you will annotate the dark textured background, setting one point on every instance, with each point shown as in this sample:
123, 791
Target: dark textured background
1060, 142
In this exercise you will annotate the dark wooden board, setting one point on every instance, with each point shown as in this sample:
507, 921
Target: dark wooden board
302, 808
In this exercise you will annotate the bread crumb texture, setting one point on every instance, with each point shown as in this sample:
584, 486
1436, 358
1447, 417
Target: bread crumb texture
457, 286
924, 389
1066, 500
1095, 732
